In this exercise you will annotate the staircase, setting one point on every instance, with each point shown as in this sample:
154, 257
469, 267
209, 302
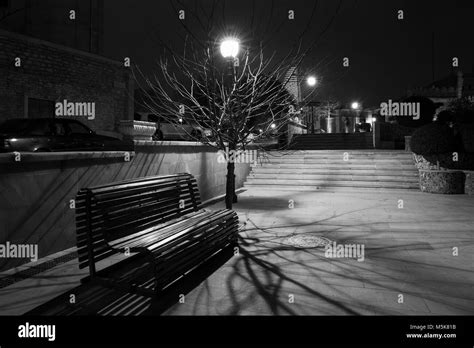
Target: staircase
332, 141
335, 170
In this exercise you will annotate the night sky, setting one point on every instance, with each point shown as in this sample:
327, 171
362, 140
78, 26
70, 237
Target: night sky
387, 55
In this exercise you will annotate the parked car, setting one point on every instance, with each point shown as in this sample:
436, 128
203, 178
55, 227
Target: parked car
184, 129
54, 134
204, 132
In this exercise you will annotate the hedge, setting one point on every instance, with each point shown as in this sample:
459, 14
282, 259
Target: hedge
433, 138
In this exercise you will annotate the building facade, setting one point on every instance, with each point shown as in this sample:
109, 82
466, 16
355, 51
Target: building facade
71, 23
441, 92
37, 74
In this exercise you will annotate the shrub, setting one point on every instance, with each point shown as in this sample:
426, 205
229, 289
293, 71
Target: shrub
465, 161
462, 110
445, 117
467, 137
427, 111
433, 138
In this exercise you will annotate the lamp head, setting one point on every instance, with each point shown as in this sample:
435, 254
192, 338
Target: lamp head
229, 47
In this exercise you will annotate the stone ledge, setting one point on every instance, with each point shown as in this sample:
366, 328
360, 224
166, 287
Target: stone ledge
194, 144
168, 143
32, 157
297, 124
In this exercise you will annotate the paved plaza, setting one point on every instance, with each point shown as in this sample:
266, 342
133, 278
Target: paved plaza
418, 259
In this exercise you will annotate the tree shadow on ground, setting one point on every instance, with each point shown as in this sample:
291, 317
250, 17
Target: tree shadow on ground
268, 270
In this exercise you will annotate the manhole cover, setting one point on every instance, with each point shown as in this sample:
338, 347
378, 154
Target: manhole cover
307, 241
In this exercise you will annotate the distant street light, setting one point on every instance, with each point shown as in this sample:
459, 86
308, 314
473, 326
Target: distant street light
355, 105
230, 48
311, 81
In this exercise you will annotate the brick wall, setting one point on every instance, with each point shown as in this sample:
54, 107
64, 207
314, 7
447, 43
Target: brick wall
53, 72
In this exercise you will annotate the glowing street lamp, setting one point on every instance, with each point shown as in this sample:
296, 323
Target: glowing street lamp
230, 47
355, 105
311, 81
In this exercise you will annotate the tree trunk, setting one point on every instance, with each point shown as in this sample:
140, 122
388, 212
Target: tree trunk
230, 196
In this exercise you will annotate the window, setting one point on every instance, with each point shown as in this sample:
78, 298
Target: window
40, 127
77, 128
41, 108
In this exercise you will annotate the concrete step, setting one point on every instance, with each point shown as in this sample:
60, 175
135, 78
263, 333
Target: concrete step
328, 188
338, 177
335, 141
337, 153
352, 151
315, 182
332, 141
332, 138
332, 153
338, 171
332, 183
335, 160
342, 165
365, 169
335, 138
331, 147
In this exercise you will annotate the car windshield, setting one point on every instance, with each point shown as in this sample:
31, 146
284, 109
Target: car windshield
22, 126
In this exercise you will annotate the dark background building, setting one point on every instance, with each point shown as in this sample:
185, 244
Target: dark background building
50, 20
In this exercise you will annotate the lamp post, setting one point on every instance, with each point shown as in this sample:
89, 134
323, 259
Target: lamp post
374, 142
229, 49
356, 107
311, 81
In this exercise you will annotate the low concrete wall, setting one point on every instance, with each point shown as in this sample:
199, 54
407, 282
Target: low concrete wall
35, 192
295, 128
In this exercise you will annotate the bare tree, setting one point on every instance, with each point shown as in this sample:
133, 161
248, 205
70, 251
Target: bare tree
239, 103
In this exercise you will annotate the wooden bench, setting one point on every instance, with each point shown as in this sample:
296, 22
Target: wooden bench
158, 226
